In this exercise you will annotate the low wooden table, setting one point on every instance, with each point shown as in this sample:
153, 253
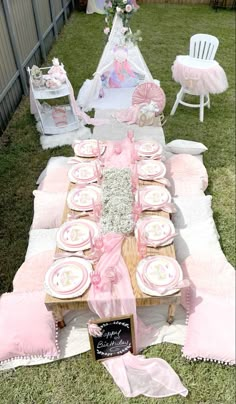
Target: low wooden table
131, 258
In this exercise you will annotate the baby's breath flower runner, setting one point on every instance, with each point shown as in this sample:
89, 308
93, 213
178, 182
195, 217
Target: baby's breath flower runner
117, 201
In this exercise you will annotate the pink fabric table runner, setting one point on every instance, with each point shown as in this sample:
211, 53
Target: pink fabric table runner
111, 295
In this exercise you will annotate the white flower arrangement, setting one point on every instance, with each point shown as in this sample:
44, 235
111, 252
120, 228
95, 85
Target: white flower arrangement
117, 201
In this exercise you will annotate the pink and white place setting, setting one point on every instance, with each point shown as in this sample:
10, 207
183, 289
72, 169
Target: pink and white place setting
152, 170
149, 149
77, 235
84, 199
85, 172
68, 277
154, 197
89, 148
160, 276
154, 231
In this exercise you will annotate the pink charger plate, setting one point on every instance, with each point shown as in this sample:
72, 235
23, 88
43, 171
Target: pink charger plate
156, 148
158, 173
56, 271
161, 190
85, 244
80, 148
169, 264
161, 288
52, 278
74, 171
73, 204
168, 231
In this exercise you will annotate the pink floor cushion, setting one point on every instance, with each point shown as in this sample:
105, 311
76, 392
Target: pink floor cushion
188, 176
48, 209
30, 276
211, 272
27, 327
210, 302
211, 327
56, 180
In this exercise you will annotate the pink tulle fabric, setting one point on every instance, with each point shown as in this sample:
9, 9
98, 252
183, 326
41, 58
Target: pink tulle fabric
200, 81
121, 158
112, 295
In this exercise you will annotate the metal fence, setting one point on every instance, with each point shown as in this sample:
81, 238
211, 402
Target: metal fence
27, 31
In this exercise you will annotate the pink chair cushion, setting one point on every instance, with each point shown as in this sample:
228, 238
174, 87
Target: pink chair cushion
27, 327
147, 92
48, 209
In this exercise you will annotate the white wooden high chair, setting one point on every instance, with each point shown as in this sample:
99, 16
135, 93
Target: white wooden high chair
202, 51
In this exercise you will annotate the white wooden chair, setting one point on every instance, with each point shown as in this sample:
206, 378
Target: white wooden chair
202, 51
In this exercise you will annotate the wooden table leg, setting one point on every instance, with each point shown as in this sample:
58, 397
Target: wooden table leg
58, 315
171, 313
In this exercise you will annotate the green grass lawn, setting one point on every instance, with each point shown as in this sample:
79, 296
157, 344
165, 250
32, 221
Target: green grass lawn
166, 30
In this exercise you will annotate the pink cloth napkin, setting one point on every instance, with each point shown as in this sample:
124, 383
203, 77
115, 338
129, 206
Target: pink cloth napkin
111, 295
129, 115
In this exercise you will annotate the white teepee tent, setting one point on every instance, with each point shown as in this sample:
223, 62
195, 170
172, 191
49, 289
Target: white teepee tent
117, 58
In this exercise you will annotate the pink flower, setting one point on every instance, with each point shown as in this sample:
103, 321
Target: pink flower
106, 30
94, 329
95, 279
111, 274
128, 8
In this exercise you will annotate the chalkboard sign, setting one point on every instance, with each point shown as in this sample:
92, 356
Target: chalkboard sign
117, 337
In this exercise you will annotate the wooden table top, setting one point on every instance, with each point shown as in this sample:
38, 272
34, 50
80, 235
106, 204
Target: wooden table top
131, 258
